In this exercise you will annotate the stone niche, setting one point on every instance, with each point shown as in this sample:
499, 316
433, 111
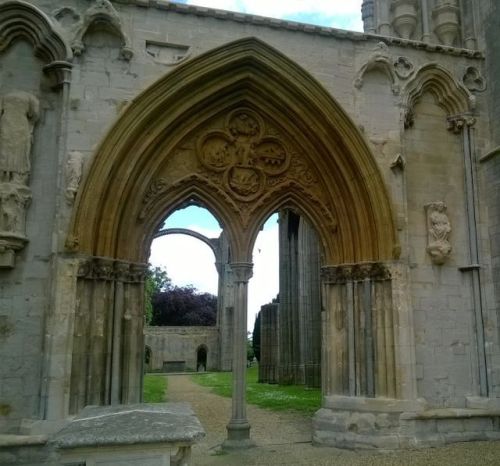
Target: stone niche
19, 112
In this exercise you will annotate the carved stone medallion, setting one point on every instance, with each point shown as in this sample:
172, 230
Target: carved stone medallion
244, 154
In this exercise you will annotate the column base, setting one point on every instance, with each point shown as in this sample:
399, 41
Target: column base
238, 436
363, 423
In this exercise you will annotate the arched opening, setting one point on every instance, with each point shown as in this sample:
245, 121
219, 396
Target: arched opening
148, 358
248, 133
201, 358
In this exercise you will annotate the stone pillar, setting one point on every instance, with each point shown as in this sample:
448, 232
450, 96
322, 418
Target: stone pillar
368, 16
108, 345
238, 429
383, 22
465, 124
59, 341
368, 366
289, 328
268, 365
225, 305
309, 305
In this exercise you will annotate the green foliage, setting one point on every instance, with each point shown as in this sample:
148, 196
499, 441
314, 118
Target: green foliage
274, 397
184, 305
156, 281
155, 388
256, 337
250, 351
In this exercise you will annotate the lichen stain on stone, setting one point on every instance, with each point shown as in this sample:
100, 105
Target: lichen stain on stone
6, 328
5, 409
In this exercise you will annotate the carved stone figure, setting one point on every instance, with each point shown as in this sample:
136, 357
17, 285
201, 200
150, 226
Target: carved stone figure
438, 231
19, 113
13, 201
74, 169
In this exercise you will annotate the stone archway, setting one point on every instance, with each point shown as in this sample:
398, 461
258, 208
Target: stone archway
245, 132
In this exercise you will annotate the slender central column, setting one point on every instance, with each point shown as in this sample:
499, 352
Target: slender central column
238, 429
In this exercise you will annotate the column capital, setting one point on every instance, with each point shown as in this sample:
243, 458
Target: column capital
457, 123
242, 271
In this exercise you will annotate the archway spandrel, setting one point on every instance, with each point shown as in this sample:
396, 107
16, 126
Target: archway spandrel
258, 134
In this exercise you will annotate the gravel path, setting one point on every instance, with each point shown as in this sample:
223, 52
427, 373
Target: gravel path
284, 439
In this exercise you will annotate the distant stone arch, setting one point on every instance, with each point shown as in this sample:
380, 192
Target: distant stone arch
201, 358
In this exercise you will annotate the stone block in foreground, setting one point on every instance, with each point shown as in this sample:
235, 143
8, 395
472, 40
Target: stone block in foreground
129, 435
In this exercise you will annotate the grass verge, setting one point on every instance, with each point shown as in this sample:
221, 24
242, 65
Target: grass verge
274, 397
155, 388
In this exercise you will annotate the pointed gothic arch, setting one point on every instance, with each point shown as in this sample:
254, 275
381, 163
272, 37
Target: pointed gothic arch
450, 95
20, 20
303, 150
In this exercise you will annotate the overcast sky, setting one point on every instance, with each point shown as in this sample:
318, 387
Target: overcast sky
343, 14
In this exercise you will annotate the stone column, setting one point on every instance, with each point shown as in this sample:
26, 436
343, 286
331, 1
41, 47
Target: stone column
268, 343
368, 16
107, 351
309, 304
225, 305
383, 22
288, 323
426, 34
464, 124
238, 429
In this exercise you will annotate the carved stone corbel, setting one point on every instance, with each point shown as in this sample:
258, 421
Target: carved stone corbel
457, 123
438, 232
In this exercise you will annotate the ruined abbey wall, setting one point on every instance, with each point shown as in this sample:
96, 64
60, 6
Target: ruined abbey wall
424, 111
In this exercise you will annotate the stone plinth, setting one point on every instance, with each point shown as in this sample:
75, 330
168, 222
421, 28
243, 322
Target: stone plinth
141, 434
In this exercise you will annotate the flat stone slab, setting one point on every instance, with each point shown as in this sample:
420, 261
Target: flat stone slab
171, 423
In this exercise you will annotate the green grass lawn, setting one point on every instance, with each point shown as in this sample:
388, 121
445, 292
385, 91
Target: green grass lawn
275, 397
155, 388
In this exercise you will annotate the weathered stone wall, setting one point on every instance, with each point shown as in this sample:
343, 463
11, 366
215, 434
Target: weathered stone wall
25, 289
420, 165
180, 344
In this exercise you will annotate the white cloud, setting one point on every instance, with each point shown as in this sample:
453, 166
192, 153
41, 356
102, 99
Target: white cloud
336, 13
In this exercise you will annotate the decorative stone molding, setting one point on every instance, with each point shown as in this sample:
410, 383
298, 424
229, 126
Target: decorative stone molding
457, 123
242, 271
398, 163
106, 269
438, 232
101, 12
74, 170
403, 67
379, 60
166, 53
405, 17
340, 274
19, 19
451, 95
446, 23
473, 80
19, 112
245, 155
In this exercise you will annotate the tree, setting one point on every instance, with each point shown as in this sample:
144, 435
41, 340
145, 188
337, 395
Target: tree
182, 306
250, 352
256, 337
156, 281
